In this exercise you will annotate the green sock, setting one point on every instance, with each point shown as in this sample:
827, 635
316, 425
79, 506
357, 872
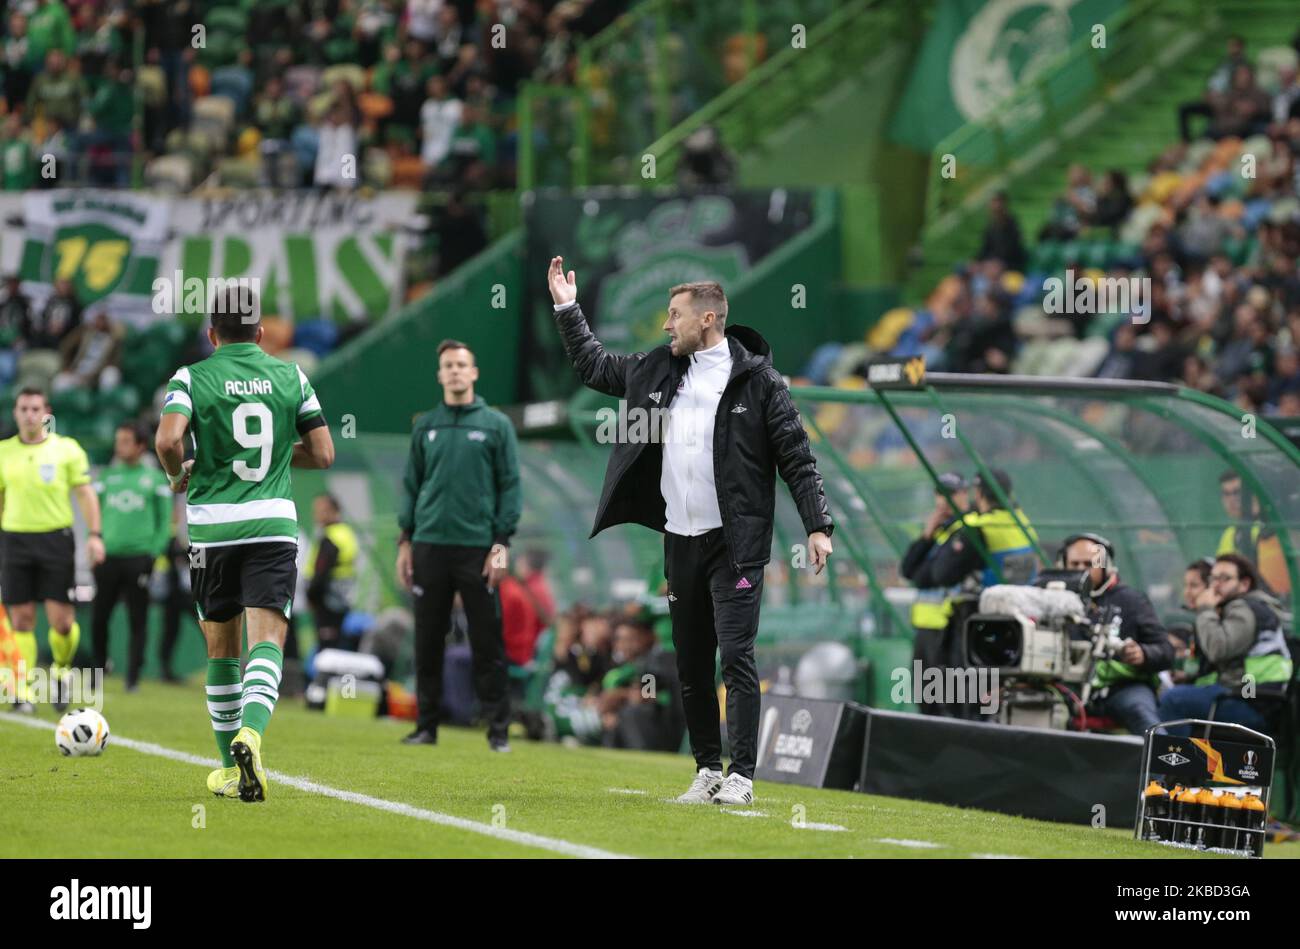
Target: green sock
27, 649
225, 695
63, 646
261, 685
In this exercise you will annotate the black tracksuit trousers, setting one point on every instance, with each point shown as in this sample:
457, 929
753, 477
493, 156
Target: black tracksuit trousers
715, 609
439, 572
116, 578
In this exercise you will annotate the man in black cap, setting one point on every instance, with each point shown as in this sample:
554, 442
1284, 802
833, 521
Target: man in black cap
932, 609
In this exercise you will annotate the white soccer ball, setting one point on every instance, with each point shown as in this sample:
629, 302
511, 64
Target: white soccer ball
82, 732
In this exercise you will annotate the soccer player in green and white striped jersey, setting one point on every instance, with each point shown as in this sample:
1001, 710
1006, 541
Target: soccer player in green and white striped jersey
244, 412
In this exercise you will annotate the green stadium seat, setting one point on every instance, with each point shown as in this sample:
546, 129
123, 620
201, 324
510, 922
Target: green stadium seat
122, 401
227, 19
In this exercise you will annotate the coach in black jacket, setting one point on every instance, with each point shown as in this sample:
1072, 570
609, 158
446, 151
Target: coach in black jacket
707, 482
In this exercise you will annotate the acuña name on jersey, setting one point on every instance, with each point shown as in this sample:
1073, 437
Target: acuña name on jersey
246, 410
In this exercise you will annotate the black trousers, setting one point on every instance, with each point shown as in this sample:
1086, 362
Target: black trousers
176, 600
115, 578
439, 572
715, 610
927, 648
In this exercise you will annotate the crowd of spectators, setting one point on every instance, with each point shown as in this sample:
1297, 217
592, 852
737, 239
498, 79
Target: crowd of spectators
324, 93
56, 346
611, 681
1210, 229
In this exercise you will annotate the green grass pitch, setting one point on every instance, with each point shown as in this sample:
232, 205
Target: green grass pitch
128, 803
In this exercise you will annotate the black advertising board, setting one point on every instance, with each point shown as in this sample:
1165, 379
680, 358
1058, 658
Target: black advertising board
810, 741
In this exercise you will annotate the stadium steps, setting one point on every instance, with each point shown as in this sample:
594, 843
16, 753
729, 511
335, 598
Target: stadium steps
1135, 132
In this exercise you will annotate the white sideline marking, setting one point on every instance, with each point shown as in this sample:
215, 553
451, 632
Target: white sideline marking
743, 813
365, 800
625, 791
810, 825
995, 856
917, 844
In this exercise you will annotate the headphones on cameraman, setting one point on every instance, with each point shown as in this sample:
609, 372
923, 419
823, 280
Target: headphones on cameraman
1108, 564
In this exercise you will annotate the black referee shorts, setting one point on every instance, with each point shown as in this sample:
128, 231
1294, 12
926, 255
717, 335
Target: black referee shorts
227, 580
38, 566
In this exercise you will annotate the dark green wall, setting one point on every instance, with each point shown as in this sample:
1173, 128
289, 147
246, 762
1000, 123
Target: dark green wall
389, 374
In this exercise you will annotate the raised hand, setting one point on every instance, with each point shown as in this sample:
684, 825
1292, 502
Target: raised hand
564, 290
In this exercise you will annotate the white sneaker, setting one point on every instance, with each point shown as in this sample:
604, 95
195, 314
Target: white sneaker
703, 788
737, 789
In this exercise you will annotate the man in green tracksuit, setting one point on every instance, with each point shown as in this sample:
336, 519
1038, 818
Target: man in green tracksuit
137, 519
460, 506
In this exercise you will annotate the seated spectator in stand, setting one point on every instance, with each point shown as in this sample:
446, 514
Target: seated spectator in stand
408, 80
422, 20
520, 624
276, 114
1245, 109
14, 54
91, 355
1001, 240
113, 110
54, 156
1242, 647
338, 164
447, 37
439, 118
1073, 209
639, 705
472, 144
57, 93
1113, 201
1203, 231
1215, 89
985, 341
1286, 101
57, 319
15, 315
706, 162
580, 659
16, 164
539, 588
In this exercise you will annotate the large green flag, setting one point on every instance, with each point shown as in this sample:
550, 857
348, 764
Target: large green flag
977, 52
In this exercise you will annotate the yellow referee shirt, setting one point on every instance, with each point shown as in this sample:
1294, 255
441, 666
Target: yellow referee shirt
36, 480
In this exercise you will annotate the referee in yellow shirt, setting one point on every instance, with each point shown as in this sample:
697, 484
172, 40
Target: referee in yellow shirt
38, 469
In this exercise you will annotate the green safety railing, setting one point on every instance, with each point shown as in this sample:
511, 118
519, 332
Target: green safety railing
1019, 134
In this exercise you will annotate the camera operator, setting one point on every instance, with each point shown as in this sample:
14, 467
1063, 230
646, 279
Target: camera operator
1239, 633
933, 607
957, 561
1124, 686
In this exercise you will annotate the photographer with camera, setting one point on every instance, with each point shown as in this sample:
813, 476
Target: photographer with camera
1124, 683
932, 610
1241, 640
